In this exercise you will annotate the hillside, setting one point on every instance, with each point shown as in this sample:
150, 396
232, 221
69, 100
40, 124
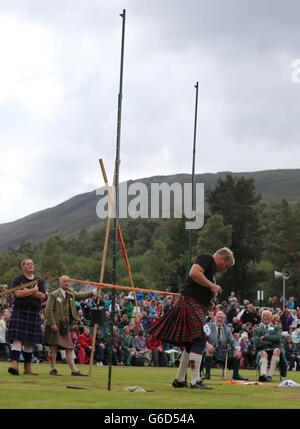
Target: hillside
67, 218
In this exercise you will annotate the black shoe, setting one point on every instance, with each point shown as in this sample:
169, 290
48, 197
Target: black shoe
199, 385
78, 374
262, 378
206, 377
13, 371
177, 383
269, 378
240, 378
54, 372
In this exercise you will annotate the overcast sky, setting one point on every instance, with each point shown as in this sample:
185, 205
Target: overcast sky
59, 82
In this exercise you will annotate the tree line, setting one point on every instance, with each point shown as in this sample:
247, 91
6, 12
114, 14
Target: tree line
263, 236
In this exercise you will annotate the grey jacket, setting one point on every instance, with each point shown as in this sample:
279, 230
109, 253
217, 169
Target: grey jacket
226, 337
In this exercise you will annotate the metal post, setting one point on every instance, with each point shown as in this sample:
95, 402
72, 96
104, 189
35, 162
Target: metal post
193, 174
283, 292
116, 218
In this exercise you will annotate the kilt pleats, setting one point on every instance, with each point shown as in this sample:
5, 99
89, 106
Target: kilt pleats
182, 323
63, 341
25, 326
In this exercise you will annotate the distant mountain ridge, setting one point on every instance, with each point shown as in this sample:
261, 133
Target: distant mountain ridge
69, 217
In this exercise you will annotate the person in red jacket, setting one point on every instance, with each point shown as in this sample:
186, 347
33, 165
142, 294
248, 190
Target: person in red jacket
159, 356
85, 346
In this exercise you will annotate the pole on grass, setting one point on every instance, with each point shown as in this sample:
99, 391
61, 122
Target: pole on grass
116, 218
193, 174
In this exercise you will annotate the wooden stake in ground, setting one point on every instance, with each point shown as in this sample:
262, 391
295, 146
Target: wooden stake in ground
225, 367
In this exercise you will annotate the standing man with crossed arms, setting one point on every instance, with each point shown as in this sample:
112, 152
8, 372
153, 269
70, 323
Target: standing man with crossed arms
183, 323
25, 326
269, 344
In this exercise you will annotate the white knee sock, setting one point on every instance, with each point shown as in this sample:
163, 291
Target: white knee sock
263, 366
274, 361
195, 363
183, 366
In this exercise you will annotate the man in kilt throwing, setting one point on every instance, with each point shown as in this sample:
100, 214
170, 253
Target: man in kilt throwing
183, 323
25, 326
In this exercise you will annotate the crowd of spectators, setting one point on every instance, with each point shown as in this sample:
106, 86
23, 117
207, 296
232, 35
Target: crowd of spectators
131, 345
243, 318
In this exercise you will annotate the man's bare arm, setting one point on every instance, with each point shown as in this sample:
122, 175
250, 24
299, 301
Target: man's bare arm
197, 274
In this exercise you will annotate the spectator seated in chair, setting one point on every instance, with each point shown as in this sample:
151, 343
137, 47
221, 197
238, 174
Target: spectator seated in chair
247, 349
127, 346
85, 346
269, 346
102, 344
140, 345
159, 357
219, 338
173, 353
291, 353
116, 347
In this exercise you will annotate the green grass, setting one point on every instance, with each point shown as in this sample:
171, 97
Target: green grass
45, 391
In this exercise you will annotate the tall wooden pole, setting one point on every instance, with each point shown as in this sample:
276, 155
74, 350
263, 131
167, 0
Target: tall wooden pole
116, 218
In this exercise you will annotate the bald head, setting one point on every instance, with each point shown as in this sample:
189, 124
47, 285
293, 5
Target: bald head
266, 316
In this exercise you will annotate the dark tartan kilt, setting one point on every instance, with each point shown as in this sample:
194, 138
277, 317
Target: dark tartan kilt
182, 323
25, 326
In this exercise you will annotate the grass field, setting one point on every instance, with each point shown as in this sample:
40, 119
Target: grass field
45, 391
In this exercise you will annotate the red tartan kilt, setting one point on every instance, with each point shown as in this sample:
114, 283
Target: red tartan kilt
182, 323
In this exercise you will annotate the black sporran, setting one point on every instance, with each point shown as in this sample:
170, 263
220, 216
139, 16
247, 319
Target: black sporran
63, 328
